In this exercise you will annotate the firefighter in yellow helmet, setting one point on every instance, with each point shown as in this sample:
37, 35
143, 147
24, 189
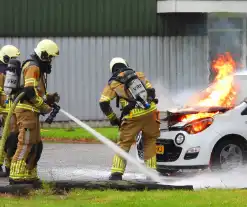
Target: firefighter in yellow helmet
33, 80
7, 53
139, 112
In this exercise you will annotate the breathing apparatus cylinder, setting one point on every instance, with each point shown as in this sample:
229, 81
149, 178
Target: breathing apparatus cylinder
10, 83
12, 78
137, 90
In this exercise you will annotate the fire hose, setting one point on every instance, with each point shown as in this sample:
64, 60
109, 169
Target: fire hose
153, 175
7, 122
3, 140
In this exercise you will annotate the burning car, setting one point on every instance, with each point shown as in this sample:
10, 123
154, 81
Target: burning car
211, 130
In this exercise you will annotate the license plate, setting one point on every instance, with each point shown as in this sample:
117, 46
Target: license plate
160, 149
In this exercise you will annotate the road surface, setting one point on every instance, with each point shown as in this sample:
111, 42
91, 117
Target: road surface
79, 161
93, 161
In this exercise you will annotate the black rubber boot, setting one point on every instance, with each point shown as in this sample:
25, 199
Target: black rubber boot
36, 183
116, 176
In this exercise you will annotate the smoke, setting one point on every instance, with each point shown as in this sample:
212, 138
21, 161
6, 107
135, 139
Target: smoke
165, 98
169, 100
220, 42
223, 37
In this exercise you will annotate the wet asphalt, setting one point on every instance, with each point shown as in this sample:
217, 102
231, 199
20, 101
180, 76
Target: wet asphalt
93, 162
74, 162
79, 161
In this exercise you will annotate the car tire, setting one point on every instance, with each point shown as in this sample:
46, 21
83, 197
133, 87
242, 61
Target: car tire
218, 153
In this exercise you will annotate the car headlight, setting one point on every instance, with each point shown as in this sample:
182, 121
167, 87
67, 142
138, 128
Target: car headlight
198, 125
179, 139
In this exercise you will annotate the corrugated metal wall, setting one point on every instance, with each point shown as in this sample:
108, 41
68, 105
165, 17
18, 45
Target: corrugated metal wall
82, 69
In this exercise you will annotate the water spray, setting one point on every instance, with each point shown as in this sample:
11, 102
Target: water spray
153, 175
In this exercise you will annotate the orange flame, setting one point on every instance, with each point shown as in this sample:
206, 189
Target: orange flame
221, 92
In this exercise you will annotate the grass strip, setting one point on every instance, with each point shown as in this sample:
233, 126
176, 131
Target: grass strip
78, 133
213, 197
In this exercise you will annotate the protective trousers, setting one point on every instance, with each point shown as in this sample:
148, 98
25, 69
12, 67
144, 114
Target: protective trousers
2, 124
4, 159
29, 147
11, 142
149, 124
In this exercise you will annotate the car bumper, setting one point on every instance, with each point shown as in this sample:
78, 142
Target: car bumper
193, 153
181, 167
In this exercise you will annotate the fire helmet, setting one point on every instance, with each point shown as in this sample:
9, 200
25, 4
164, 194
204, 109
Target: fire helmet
46, 50
117, 60
8, 52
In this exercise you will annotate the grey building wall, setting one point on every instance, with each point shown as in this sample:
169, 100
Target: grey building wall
82, 70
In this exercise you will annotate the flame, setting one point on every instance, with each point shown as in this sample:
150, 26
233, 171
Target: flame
191, 117
222, 91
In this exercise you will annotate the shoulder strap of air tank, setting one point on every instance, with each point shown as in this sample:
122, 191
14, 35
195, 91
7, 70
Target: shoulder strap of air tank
33, 62
115, 76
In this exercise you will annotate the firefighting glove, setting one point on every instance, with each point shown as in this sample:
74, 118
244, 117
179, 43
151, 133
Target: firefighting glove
52, 98
156, 101
115, 121
45, 109
29, 93
152, 95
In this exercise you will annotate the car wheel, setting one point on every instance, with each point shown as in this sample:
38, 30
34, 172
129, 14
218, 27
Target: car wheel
227, 155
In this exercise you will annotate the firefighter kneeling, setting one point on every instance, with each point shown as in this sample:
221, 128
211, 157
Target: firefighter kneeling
33, 81
139, 112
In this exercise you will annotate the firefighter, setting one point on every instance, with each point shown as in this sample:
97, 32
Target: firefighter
33, 80
7, 52
139, 112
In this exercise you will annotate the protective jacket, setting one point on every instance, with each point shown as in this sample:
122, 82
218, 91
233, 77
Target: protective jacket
33, 76
115, 89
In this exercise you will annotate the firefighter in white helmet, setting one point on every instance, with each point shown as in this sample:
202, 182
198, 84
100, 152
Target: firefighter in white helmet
139, 112
33, 81
7, 53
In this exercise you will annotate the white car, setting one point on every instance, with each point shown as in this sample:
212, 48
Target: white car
217, 142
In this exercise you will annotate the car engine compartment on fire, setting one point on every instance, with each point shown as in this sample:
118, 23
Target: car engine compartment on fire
189, 115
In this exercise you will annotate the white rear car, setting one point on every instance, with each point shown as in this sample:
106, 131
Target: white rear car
218, 142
